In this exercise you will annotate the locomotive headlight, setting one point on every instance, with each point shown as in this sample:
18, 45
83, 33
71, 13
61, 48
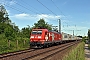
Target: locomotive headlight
32, 36
39, 36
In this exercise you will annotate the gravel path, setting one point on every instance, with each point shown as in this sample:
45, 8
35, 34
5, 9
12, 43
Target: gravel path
87, 52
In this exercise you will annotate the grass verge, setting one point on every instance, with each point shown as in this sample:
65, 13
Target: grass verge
89, 46
5, 48
76, 53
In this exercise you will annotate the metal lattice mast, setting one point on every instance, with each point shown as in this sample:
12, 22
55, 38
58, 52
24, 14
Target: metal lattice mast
59, 25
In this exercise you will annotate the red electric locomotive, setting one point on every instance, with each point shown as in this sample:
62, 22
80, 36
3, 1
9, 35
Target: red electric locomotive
44, 38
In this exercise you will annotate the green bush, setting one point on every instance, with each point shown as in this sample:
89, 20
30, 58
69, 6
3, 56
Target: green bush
5, 48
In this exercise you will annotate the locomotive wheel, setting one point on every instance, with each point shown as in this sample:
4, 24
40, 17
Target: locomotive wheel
47, 45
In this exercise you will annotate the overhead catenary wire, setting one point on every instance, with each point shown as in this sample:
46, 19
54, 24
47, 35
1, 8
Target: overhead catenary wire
46, 7
32, 6
24, 7
54, 14
61, 12
59, 9
13, 8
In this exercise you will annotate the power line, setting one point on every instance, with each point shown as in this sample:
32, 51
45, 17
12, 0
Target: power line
58, 8
31, 6
47, 7
61, 12
25, 7
13, 8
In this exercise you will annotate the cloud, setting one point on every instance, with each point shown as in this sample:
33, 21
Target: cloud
21, 15
30, 19
78, 30
85, 22
47, 17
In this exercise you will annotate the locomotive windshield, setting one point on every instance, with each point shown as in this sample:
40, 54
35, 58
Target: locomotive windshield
37, 32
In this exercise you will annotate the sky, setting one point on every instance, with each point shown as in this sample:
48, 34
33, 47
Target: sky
74, 14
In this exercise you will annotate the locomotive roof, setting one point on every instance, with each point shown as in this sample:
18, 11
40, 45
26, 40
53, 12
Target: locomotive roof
40, 29
48, 30
54, 31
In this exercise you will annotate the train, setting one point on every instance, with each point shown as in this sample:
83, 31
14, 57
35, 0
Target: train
45, 38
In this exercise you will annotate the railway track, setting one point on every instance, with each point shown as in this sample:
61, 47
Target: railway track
5, 55
49, 53
33, 54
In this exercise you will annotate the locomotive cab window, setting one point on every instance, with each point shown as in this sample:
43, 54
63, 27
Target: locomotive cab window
34, 32
37, 32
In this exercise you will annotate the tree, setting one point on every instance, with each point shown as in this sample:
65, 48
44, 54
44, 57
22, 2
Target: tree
25, 32
6, 26
2, 27
3, 14
42, 24
4, 20
89, 34
9, 33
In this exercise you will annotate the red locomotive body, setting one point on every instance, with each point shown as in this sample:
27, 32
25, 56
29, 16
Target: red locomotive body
44, 37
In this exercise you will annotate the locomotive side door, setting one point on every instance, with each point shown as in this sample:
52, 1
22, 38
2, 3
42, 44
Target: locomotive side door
46, 36
52, 36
